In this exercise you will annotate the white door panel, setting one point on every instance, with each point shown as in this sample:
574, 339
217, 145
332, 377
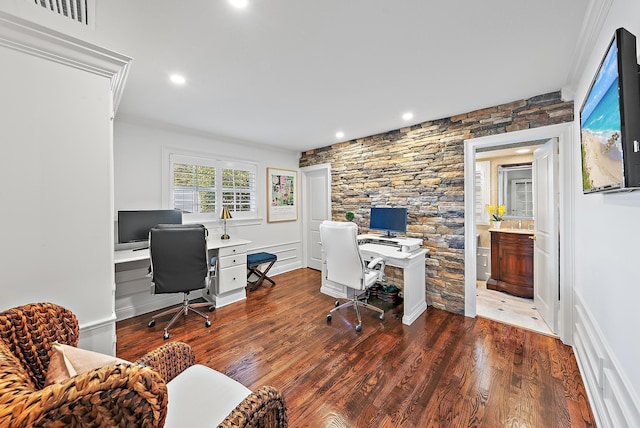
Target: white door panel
545, 254
317, 208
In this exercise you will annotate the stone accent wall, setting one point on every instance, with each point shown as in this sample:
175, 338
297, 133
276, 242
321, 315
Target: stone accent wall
422, 168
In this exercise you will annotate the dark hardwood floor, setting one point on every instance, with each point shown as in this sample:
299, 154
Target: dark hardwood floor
445, 370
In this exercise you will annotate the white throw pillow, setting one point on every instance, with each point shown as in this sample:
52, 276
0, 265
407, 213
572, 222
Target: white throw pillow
202, 397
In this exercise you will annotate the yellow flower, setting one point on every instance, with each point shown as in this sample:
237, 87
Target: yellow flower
496, 214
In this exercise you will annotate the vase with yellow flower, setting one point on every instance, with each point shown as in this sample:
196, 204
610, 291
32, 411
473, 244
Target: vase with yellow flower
496, 215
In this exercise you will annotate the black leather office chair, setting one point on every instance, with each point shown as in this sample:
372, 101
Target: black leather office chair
179, 264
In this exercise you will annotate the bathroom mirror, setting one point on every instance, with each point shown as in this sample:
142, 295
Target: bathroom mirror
515, 190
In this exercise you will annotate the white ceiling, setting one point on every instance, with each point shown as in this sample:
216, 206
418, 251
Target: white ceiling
291, 73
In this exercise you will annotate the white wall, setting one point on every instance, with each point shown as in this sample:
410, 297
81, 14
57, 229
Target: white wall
607, 278
56, 175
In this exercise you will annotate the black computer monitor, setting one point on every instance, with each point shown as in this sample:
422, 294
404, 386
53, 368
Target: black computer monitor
134, 226
389, 220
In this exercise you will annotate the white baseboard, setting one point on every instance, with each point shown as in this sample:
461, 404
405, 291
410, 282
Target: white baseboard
408, 319
613, 402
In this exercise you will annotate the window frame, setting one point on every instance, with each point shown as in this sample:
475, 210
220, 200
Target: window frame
173, 157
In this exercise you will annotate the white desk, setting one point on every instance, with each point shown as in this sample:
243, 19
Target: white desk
132, 292
411, 262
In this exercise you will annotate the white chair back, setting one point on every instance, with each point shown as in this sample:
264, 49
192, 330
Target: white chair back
340, 248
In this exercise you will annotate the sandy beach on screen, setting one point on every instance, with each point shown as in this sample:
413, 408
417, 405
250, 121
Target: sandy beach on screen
602, 169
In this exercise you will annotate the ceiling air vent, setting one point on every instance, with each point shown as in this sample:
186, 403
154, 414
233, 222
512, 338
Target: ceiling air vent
75, 10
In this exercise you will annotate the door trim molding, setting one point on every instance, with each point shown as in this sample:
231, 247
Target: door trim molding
305, 206
564, 133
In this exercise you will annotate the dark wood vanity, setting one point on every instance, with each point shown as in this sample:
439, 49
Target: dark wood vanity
512, 262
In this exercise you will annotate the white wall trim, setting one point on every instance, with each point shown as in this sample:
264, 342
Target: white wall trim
97, 324
564, 134
592, 24
33, 39
612, 399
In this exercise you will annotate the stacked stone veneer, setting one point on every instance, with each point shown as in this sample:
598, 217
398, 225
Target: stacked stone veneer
422, 168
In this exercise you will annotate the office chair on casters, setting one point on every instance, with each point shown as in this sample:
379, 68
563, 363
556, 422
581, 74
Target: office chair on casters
345, 266
179, 264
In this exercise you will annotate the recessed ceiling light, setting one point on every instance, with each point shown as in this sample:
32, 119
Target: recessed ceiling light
240, 4
407, 116
178, 79
339, 134
519, 151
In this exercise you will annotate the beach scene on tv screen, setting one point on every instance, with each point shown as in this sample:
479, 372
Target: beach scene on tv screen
601, 130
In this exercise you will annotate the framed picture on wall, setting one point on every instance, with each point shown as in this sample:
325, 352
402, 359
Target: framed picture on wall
282, 199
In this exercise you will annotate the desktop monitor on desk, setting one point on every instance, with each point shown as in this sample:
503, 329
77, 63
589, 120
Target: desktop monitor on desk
134, 226
389, 220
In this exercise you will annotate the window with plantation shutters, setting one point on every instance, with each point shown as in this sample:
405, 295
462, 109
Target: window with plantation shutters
194, 188
238, 188
201, 187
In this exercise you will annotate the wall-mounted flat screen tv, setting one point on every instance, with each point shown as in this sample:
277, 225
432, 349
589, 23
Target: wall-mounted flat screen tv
610, 120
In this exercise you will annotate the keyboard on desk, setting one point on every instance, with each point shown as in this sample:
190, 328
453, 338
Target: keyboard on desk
384, 250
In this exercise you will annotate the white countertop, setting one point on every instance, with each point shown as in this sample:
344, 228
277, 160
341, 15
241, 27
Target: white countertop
124, 256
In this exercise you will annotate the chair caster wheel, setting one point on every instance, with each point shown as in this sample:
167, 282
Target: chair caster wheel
381, 317
358, 328
207, 323
329, 318
212, 308
151, 323
337, 303
165, 336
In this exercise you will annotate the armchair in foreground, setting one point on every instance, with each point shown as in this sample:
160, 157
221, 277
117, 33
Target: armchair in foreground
146, 393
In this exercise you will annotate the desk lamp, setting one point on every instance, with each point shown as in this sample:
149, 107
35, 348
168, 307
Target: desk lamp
225, 215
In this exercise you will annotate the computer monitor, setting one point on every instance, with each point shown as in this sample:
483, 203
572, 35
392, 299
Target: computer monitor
389, 220
134, 226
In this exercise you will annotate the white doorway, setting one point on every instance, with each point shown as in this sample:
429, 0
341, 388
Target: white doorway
564, 298
505, 175
316, 207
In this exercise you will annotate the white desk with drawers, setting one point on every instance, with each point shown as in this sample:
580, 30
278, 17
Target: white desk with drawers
132, 291
404, 253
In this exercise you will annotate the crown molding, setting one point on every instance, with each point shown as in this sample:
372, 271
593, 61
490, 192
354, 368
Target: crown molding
592, 24
33, 39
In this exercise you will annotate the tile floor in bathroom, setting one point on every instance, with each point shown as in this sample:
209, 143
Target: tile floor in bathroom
509, 309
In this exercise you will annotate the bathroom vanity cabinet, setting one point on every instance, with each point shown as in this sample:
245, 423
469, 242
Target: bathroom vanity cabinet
511, 262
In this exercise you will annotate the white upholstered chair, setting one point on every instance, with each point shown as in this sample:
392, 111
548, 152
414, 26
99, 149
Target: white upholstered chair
345, 266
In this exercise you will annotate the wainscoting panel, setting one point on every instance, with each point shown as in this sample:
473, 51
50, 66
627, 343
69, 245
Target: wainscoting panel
288, 256
612, 400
